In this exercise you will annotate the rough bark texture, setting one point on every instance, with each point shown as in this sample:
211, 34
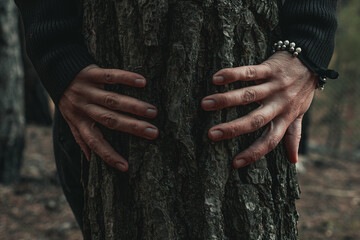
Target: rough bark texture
12, 123
183, 186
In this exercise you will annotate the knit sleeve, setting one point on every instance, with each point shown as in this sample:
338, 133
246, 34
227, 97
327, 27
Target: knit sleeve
311, 24
54, 41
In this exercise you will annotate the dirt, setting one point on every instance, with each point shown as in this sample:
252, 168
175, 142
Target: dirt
329, 207
35, 208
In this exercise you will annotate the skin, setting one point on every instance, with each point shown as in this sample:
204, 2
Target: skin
85, 102
284, 89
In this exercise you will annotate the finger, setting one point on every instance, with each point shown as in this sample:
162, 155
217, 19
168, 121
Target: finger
121, 122
237, 97
122, 103
292, 139
114, 76
245, 73
80, 141
263, 145
249, 123
96, 142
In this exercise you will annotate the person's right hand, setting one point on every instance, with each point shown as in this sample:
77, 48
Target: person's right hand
85, 102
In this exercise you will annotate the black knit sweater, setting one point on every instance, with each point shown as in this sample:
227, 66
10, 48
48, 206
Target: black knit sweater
55, 44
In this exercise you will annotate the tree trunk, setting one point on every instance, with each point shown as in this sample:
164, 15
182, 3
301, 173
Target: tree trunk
182, 185
12, 123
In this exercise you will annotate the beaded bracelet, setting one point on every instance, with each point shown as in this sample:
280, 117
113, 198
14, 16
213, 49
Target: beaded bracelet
295, 51
321, 83
287, 46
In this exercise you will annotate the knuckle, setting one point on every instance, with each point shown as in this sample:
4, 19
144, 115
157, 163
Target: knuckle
285, 81
273, 142
268, 66
69, 101
133, 107
295, 135
228, 73
134, 127
231, 131
223, 100
257, 122
274, 67
255, 155
250, 72
110, 101
109, 120
92, 142
106, 157
277, 67
109, 76
74, 89
139, 110
249, 96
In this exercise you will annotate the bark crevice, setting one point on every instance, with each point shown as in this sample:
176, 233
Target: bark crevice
182, 185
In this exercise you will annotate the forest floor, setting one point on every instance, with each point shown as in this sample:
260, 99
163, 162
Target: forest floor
35, 208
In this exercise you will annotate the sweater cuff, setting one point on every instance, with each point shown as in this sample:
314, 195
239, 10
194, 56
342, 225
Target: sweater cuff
311, 25
56, 73
321, 71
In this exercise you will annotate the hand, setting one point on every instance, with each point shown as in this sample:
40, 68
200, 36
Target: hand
85, 102
285, 89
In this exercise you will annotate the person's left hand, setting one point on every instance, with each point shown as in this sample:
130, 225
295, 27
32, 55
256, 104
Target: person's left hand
285, 89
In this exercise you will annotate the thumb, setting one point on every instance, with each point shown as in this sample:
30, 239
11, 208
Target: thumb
292, 139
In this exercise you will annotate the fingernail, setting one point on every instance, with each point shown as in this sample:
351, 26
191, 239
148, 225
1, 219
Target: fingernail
216, 134
208, 103
151, 132
140, 82
240, 163
218, 79
120, 166
150, 112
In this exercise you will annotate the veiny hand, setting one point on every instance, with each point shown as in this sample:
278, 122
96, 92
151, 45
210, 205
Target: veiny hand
85, 102
284, 90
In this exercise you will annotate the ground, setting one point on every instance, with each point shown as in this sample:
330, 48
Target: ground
36, 209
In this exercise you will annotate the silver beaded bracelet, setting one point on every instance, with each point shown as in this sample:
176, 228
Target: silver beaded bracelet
295, 51
287, 46
321, 83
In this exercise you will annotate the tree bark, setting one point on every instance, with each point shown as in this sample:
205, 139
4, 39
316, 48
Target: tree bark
12, 122
182, 185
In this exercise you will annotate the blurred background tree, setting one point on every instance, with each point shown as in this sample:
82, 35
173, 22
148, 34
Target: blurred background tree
22, 97
336, 113
12, 119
